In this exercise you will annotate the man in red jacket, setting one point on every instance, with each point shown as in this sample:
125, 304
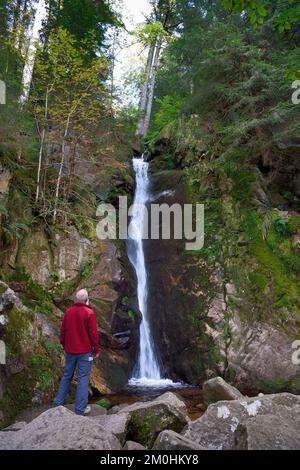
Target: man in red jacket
80, 339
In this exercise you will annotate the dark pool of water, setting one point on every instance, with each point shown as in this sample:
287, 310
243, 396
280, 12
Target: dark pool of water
192, 396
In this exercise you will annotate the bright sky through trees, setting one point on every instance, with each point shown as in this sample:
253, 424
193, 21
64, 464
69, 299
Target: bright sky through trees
134, 13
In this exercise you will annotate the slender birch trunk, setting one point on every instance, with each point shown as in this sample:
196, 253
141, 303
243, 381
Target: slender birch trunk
40, 16
63, 148
144, 92
151, 89
41, 149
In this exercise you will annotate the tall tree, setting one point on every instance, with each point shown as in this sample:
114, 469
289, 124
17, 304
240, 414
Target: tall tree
68, 100
153, 35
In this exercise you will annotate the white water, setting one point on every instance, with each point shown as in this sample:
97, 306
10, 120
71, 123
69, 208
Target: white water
147, 372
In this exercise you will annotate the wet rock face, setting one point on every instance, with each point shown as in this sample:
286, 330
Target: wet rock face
229, 425
178, 293
230, 310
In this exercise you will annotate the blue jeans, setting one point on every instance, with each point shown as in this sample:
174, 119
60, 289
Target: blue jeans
84, 366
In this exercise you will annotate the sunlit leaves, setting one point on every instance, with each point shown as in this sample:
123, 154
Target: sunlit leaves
259, 10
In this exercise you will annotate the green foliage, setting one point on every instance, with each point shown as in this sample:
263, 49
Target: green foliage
105, 403
151, 32
166, 110
42, 367
284, 14
131, 314
35, 296
294, 224
285, 289
16, 332
81, 18
281, 226
142, 428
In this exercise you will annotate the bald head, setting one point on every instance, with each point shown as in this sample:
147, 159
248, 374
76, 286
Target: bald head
82, 296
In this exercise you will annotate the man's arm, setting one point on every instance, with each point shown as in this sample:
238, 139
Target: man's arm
93, 334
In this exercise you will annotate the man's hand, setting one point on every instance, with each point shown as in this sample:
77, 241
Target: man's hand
96, 356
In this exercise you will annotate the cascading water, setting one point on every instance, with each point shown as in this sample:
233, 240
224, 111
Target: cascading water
147, 371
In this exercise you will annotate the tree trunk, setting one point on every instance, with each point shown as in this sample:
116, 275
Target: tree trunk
144, 92
40, 15
151, 89
41, 149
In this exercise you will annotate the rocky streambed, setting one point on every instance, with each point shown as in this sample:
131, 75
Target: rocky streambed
231, 421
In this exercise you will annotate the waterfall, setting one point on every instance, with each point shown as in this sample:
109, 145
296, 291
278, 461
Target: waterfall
147, 371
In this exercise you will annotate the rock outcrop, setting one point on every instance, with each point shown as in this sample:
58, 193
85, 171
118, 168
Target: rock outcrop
267, 422
232, 424
60, 429
217, 389
148, 419
235, 302
131, 445
170, 440
33, 358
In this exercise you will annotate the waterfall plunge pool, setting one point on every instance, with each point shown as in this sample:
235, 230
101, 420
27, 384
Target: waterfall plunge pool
190, 394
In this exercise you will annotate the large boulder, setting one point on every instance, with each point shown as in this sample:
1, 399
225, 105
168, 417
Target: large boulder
96, 410
217, 389
268, 433
60, 429
117, 424
148, 419
230, 425
170, 440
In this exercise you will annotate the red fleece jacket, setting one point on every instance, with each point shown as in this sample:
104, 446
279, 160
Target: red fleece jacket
79, 330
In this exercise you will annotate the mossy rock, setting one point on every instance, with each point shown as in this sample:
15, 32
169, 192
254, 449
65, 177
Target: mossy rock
147, 422
294, 224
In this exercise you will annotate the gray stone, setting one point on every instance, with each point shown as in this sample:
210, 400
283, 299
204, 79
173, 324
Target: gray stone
59, 428
218, 427
217, 389
16, 426
35, 256
259, 354
117, 408
131, 445
267, 433
170, 440
70, 251
8, 298
117, 424
148, 419
96, 410
45, 327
